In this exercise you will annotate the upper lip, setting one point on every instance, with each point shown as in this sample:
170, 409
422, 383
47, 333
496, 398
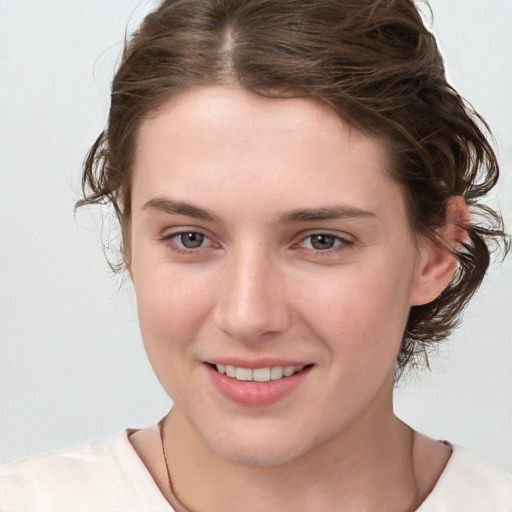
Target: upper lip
253, 364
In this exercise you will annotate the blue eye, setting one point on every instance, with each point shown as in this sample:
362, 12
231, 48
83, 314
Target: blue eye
190, 239
322, 241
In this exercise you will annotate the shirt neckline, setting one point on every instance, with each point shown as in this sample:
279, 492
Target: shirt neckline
460, 483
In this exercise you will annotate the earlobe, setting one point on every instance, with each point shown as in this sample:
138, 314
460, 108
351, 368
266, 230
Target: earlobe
437, 263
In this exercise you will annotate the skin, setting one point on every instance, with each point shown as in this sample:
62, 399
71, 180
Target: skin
257, 288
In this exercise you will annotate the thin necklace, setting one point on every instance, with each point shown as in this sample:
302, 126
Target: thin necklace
185, 509
169, 479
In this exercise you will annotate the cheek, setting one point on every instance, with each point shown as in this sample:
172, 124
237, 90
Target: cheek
362, 310
171, 311
171, 306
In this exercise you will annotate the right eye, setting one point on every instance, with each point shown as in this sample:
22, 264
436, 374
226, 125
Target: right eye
190, 239
189, 243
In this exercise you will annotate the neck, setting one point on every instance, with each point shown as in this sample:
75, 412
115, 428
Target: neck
368, 467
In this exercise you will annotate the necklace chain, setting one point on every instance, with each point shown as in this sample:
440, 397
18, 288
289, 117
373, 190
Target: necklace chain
161, 426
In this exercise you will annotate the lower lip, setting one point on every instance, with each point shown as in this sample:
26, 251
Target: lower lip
255, 394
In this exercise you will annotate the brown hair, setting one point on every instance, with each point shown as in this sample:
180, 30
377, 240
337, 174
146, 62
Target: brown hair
373, 61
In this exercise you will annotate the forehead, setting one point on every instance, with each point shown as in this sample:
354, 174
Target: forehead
289, 152
232, 111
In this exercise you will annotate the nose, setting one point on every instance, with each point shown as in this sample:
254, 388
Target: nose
251, 297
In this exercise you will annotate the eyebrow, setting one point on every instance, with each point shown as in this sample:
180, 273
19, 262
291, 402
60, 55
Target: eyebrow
325, 213
171, 206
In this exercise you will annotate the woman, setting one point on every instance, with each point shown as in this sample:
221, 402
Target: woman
295, 183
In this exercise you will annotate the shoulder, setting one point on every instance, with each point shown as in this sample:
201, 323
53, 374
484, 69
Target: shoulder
93, 476
470, 484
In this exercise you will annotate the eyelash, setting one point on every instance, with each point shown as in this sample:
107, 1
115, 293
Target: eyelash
340, 243
171, 242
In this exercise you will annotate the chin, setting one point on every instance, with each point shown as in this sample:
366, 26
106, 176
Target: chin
259, 447
260, 456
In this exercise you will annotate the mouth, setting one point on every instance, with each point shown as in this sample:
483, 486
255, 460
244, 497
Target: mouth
266, 374
260, 385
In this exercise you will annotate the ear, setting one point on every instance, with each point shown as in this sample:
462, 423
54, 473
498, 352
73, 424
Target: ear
437, 264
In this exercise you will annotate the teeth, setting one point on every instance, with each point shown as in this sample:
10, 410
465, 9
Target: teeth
259, 374
288, 371
243, 374
276, 373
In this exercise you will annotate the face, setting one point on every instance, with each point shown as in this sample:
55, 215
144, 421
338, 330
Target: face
268, 243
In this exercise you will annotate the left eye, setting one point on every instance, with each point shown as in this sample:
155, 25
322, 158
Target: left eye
322, 241
190, 239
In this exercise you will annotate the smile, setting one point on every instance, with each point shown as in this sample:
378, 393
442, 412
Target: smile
257, 374
260, 385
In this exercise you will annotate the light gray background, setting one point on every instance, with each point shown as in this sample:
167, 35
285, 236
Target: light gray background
72, 367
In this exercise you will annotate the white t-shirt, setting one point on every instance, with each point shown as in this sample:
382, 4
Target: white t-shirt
108, 475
